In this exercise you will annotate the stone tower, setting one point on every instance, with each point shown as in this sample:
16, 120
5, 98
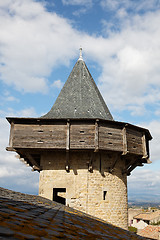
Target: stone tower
82, 154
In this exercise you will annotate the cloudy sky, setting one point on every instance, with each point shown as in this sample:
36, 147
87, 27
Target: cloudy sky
39, 45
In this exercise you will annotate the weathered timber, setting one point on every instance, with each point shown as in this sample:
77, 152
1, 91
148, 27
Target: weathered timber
68, 136
130, 169
124, 141
35, 165
111, 169
96, 140
82, 136
67, 165
134, 141
145, 155
11, 134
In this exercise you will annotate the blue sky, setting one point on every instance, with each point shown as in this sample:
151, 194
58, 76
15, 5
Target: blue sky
39, 45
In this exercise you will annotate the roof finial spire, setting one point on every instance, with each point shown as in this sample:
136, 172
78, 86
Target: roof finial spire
80, 55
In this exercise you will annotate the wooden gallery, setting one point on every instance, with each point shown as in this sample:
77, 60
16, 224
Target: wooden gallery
82, 154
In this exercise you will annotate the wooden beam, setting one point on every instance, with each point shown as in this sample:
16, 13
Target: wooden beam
11, 134
133, 166
114, 164
89, 163
124, 141
96, 140
10, 149
34, 163
67, 165
68, 136
144, 147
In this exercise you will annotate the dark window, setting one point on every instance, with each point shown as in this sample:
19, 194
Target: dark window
56, 196
104, 195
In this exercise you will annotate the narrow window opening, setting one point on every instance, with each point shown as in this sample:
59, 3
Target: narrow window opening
104, 195
40, 131
81, 131
81, 141
57, 195
110, 143
109, 133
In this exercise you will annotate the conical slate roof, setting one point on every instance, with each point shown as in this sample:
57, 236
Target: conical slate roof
79, 97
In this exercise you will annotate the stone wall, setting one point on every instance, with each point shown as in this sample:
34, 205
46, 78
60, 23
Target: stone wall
99, 193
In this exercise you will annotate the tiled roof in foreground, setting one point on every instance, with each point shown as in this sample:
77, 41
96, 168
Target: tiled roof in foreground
25, 216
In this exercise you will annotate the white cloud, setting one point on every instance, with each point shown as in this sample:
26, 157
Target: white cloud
136, 6
58, 84
154, 128
130, 62
144, 184
87, 3
129, 58
32, 42
13, 173
83, 5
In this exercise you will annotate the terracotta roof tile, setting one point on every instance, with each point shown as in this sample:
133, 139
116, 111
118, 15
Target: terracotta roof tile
150, 232
148, 215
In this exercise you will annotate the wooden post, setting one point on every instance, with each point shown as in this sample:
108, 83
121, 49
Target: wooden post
67, 166
32, 160
11, 135
145, 155
124, 141
114, 164
96, 140
68, 136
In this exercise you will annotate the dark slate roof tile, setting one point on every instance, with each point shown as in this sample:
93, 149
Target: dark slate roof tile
55, 222
80, 97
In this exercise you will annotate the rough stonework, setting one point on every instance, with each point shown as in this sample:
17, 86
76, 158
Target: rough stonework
96, 193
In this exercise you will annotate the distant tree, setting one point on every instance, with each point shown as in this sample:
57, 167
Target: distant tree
132, 229
155, 223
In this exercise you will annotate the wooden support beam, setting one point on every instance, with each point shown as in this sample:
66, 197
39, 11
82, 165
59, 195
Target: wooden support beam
89, 163
144, 147
96, 139
11, 135
124, 141
133, 166
129, 163
10, 149
68, 136
67, 165
114, 164
35, 166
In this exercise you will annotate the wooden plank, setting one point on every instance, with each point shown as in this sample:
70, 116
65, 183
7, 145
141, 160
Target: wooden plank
11, 135
96, 140
110, 138
34, 163
67, 165
68, 136
39, 136
134, 141
144, 147
82, 136
124, 141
